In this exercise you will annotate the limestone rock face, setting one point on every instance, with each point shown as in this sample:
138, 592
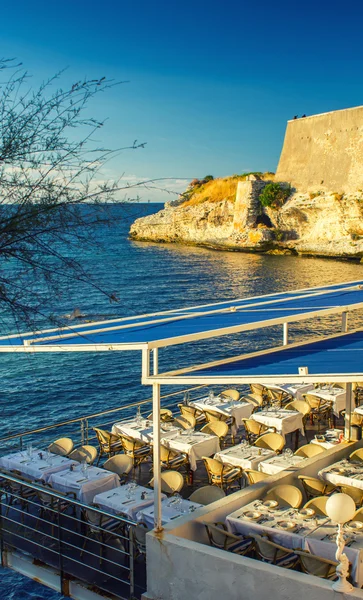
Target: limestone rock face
324, 224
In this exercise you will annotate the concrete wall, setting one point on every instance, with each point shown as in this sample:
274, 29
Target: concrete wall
324, 152
181, 566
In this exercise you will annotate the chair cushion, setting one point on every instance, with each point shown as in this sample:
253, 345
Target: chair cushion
287, 561
141, 451
240, 546
231, 474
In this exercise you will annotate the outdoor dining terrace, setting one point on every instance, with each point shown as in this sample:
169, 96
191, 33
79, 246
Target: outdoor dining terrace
78, 497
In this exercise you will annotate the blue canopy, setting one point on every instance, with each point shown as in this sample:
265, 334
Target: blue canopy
337, 358
187, 324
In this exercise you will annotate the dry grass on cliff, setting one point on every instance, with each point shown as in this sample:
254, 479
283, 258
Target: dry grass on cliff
218, 190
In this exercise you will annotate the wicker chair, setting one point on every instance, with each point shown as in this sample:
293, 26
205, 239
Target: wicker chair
219, 428
255, 476
109, 443
231, 394
356, 456
121, 464
172, 459
358, 515
353, 492
278, 398
315, 487
212, 415
254, 429
285, 495
104, 529
220, 538
309, 450
84, 453
62, 447
302, 407
318, 504
274, 554
316, 565
185, 422
320, 410
138, 451
221, 474
207, 494
171, 482
254, 399
165, 415
272, 441
187, 410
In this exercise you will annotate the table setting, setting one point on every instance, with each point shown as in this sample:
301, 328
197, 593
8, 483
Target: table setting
171, 508
245, 456
35, 464
284, 421
128, 499
142, 429
282, 462
193, 443
343, 472
294, 389
85, 481
336, 395
226, 406
284, 525
329, 439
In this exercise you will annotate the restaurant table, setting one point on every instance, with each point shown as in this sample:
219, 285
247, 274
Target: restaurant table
332, 441
294, 389
34, 467
247, 457
195, 445
238, 410
343, 473
284, 421
126, 500
85, 486
310, 534
270, 522
274, 465
171, 508
143, 430
322, 543
337, 396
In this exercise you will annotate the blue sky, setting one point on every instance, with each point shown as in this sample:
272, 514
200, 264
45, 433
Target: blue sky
210, 85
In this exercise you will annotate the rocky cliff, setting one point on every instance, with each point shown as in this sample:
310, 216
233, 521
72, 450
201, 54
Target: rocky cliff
319, 224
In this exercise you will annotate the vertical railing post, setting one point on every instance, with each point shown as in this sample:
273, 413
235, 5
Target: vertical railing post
21, 443
285, 335
61, 572
131, 556
348, 412
344, 322
86, 430
82, 432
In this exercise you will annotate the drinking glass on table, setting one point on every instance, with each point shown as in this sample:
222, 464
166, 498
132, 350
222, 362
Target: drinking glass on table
29, 450
287, 453
177, 502
84, 468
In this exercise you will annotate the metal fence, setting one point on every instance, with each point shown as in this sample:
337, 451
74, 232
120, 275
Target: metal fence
81, 429
79, 542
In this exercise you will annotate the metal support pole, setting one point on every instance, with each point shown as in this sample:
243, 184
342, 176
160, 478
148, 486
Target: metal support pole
145, 363
344, 322
348, 411
285, 334
155, 361
156, 459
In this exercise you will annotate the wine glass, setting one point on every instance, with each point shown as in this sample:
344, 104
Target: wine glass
84, 468
288, 453
29, 450
177, 502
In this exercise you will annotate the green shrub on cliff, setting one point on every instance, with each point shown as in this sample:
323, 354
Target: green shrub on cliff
274, 195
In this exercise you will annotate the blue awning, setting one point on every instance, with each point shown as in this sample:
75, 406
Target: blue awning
187, 324
337, 358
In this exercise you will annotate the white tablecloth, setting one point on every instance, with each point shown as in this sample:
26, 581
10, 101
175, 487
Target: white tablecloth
343, 473
318, 543
295, 389
309, 537
238, 410
142, 432
195, 445
98, 481
124, 500
169, 511
35, 468
246, 457
337, 396
285, 421
279, 463
359, 410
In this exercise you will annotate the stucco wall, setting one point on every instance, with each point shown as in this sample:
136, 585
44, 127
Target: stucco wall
324, 152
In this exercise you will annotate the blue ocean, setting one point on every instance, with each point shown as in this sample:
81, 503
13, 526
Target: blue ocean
40, 389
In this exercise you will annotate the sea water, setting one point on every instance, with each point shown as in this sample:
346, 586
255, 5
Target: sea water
45, 388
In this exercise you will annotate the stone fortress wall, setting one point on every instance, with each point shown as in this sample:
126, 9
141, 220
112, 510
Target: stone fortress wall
324, 152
